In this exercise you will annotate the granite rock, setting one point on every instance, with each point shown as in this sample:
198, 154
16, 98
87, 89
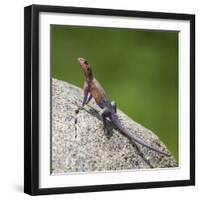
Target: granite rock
79, 142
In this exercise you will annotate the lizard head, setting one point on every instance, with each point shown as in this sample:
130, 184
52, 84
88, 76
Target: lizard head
85, 66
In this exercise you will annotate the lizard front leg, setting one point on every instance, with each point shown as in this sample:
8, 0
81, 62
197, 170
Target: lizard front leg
105, 113
86, 98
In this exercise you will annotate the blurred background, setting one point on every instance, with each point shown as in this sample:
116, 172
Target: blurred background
137, 68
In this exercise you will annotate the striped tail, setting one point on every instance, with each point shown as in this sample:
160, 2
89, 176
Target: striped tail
115, 120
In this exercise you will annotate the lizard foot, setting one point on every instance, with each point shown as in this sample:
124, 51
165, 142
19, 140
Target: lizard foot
108, 132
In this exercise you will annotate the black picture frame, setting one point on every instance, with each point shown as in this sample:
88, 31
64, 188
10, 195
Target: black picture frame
31, 98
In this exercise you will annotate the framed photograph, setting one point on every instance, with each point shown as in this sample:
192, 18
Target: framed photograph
109, 99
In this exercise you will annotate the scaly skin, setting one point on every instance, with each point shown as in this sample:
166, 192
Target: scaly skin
93, 89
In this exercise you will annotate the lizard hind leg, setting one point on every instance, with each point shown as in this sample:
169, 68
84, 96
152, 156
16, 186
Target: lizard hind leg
114, 105
103, 114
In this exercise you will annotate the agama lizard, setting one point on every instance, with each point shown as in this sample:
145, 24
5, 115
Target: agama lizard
92, 88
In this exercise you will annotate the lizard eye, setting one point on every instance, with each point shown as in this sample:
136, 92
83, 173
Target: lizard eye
86, 62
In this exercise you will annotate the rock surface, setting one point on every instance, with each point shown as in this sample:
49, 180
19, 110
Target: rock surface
79, 142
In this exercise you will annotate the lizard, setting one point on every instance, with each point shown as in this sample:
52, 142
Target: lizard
93, 89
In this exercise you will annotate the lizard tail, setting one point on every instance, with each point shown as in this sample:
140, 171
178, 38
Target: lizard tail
115, 120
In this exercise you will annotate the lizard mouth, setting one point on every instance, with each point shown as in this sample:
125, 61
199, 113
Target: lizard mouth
83, 63
80, 60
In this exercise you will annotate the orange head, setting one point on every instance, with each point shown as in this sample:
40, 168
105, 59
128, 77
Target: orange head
85, 66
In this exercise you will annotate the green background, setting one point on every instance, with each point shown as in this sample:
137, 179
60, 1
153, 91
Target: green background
137, 68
